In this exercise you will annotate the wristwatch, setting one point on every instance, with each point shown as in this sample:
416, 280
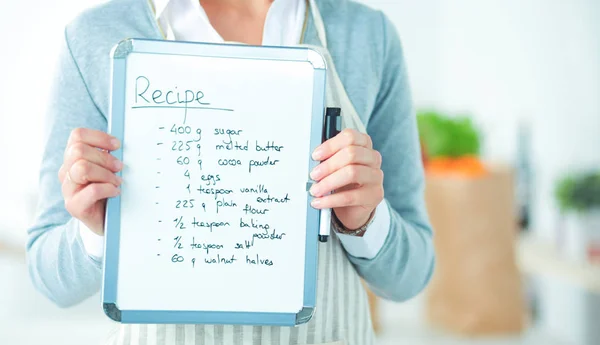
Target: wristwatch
341, 229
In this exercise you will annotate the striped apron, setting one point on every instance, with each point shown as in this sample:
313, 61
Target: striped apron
342, 315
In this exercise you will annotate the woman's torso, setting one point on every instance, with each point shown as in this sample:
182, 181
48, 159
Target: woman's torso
342, 312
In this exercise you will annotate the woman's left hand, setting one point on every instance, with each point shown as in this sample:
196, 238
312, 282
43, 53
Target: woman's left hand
351, 169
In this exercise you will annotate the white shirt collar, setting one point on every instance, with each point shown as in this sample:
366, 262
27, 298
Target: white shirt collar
159, 7
186, 20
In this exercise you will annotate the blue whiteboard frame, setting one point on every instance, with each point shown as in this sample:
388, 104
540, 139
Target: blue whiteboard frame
119, 56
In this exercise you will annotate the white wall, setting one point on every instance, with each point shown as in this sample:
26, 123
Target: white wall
509, 61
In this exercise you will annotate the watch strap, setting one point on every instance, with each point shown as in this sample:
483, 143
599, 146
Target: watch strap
341, 229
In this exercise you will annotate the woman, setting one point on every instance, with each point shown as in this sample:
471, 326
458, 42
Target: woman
384, 241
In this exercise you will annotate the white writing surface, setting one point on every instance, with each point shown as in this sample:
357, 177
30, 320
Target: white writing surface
214, 202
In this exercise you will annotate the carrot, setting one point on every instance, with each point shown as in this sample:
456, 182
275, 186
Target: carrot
468, 166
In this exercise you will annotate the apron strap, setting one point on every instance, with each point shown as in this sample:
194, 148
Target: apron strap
335, 89
319, 25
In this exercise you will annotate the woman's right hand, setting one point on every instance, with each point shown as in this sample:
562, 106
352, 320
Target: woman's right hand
88, 176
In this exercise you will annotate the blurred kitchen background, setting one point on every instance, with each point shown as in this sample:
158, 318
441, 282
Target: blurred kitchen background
508, 94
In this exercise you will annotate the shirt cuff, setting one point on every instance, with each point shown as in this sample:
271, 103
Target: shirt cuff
369, 245
92, 242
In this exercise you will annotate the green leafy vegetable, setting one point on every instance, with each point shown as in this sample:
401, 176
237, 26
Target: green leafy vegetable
578, 193
444, 136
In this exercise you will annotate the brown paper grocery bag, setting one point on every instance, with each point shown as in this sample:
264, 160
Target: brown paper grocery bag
476, 288
374, 309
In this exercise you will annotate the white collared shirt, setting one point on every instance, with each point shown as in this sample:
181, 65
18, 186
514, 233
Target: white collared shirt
186, 20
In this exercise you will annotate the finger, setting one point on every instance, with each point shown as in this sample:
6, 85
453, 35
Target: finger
94, 138
80, 151
355, 197
351, 174
88, 196
348, 137
70, 188
61, 173
347, 156
84, 172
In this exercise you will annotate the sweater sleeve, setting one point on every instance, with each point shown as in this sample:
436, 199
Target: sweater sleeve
403, 266
59, 265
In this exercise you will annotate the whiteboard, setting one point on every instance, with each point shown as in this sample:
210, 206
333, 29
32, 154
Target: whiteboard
213, 224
